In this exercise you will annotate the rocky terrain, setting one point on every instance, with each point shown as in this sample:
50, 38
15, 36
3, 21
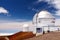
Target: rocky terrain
47, 36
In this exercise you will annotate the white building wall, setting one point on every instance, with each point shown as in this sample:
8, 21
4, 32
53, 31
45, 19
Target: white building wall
25, 29
45, 22
51, 28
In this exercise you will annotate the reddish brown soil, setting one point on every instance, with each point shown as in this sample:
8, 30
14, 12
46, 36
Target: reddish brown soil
21, 36
2, 38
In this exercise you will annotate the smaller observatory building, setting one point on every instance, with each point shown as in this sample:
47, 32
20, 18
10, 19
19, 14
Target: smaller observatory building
42, 22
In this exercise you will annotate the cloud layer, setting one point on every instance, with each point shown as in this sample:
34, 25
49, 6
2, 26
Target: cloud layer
12, 25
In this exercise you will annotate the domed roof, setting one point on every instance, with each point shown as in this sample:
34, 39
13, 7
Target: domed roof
45, 14
42, 14
25, 25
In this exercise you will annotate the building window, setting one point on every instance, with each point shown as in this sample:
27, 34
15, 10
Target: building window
39, 21
39, 30
53, 21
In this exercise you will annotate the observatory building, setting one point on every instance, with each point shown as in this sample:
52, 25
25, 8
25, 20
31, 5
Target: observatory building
42, 22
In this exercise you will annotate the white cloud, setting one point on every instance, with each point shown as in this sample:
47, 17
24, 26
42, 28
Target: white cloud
55, 3
3, 10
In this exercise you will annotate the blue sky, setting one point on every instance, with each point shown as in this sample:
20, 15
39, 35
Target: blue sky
24, 10
18, 9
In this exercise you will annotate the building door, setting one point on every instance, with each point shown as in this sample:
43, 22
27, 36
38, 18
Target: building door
39, 30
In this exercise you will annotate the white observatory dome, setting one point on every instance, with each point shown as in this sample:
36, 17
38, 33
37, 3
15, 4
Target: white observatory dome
25, 25
45, 14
